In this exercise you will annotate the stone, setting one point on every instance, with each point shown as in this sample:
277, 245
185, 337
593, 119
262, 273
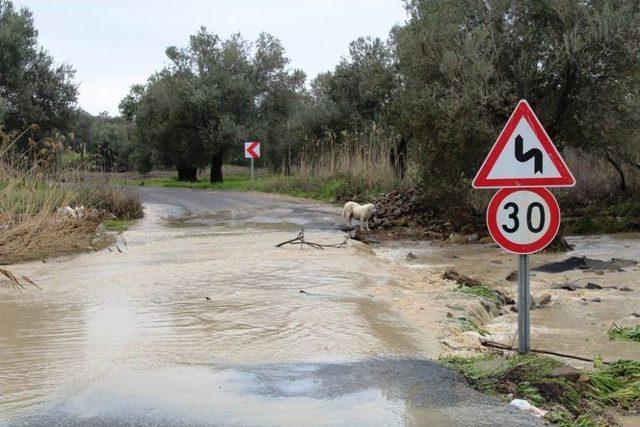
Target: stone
636, 314
625, 289
411, 255
543, 300
490, 308
592, 285
473, 238
596, 300
513, 276
566, 286
568, 373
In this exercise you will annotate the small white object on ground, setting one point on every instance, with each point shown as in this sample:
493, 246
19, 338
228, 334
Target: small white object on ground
526, 406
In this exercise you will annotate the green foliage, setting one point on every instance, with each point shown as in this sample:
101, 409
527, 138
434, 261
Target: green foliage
214, 95
32, 88
465, 64
531, 377
118, 225
482, 291
627, 333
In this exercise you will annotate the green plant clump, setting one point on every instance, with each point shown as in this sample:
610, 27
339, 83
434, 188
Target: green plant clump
627, 333
570, 403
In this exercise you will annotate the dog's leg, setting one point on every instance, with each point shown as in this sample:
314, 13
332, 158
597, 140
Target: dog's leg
367, 225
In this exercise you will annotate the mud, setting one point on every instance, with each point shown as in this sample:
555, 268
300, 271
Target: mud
572, 322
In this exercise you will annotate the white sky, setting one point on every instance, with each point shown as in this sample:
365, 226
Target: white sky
115, 43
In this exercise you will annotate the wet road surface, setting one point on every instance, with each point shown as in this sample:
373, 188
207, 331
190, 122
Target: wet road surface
200, 321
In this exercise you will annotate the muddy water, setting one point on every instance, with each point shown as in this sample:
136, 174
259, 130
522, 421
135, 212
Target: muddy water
200, 320
188, 291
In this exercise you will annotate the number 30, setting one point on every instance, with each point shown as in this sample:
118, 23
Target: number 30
516, 222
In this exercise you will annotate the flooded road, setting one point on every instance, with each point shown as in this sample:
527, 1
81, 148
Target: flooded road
199, 320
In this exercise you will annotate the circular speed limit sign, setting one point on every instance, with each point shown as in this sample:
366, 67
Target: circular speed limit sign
523, 220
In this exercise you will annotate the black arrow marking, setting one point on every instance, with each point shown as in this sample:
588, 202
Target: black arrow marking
534, 153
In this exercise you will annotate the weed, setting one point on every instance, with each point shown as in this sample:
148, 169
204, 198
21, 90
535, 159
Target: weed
482, 291
627, 333
531, 377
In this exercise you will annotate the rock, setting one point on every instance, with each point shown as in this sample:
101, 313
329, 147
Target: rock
489, 307
461, 279
543, 300
513, 276
456, 238
207, 298
496, 261
568, 373
596, 300
411, 255
485, 240
514, 309
566, 286
625, 289
303, 292
636, 314
592, 285
473, 238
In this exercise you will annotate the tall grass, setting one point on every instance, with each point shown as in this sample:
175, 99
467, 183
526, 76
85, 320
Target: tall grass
32, 188
365, 156
359, 164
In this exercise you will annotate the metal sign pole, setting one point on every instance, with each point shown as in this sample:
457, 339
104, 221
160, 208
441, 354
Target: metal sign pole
524, 304
252, 172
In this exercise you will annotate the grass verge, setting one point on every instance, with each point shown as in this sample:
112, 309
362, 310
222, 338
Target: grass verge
330, 190
586, 399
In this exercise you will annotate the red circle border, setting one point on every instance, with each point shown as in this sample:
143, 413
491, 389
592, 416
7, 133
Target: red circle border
517, 248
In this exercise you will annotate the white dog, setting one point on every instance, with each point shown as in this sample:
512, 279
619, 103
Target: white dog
363, 213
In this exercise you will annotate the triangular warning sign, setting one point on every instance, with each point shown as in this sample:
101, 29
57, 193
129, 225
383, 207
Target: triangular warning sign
523, 156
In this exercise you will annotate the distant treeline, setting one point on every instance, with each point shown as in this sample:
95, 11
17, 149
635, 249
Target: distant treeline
440, 88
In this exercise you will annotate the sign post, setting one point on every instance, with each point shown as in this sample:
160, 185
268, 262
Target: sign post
523, 217
524, 304
252, 151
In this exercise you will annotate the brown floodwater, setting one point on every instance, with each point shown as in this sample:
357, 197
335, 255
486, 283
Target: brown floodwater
200, 320
194, 291
196, 318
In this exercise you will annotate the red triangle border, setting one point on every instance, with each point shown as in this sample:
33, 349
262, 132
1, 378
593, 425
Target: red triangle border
523, 109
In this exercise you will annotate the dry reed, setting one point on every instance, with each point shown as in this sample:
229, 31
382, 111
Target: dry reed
32, 188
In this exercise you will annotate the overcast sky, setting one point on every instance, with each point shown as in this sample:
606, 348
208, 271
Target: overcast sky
115, 43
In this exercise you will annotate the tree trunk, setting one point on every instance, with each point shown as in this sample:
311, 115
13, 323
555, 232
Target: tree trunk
398, 158
216, 168
187, 173
623, 180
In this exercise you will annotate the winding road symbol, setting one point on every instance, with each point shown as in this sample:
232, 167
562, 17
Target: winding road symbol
534, 153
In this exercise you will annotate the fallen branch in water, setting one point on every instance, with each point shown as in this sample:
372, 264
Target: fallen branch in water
299, 240
15, 282
501, 346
